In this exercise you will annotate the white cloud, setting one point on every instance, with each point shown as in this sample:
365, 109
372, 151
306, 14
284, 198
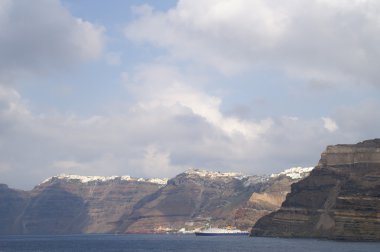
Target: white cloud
162, 86
329, 124
319, 40
40, 36
157, 163
170, 122
169, 127
11, 104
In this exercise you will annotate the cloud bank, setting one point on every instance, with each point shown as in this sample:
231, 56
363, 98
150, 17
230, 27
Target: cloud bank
169, 122
41, 36
320, 40
170, 126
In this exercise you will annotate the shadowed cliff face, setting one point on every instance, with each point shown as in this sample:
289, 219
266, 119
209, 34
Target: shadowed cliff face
98, 205
49, 211
12, 204
53, 211
70, 206
339, 200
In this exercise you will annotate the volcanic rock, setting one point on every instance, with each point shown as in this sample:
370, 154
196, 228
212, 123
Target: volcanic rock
339, 200
12, 204
196, 199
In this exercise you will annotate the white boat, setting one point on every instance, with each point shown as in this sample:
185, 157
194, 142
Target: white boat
221, 232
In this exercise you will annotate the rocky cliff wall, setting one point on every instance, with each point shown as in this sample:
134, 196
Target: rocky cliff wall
339, 200
197, 199
71, 205
192, 200
12, 204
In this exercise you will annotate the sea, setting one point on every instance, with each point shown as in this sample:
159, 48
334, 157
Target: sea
173, 242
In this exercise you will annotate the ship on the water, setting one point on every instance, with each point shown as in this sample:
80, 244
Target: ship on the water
221, 232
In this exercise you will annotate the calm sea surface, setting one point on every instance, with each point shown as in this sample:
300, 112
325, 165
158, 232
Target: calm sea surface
174, 243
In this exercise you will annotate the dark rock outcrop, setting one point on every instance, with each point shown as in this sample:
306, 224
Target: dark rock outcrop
12, 205
53, 211
71, 204
339, 200
92, 204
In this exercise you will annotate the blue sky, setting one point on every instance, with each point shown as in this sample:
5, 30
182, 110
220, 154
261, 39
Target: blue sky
152, 88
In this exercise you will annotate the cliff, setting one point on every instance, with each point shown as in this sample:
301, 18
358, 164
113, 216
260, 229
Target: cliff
269, 197
192, 200
70, 204
339, 200
195, 199
12, 204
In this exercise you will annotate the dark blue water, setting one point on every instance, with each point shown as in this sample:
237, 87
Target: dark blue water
175, 243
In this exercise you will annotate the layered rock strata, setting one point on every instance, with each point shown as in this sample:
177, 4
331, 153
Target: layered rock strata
339, 200
192, 200
270, 196
70, 204
195, 199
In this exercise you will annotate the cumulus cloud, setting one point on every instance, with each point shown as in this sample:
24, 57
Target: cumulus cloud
162, 86
169, 126
11, 104
329, 124
37, 37
40, 36
170, 122
319, 40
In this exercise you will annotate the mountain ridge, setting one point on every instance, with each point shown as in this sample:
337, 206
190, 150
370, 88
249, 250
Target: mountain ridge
66, 204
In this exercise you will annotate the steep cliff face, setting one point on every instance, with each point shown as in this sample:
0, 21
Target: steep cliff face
269, 197
339, 200
52, 210
99, 202
12, 204
196, 199
77, 204
192, 200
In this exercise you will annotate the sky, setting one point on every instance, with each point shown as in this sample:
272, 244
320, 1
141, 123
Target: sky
153, 88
